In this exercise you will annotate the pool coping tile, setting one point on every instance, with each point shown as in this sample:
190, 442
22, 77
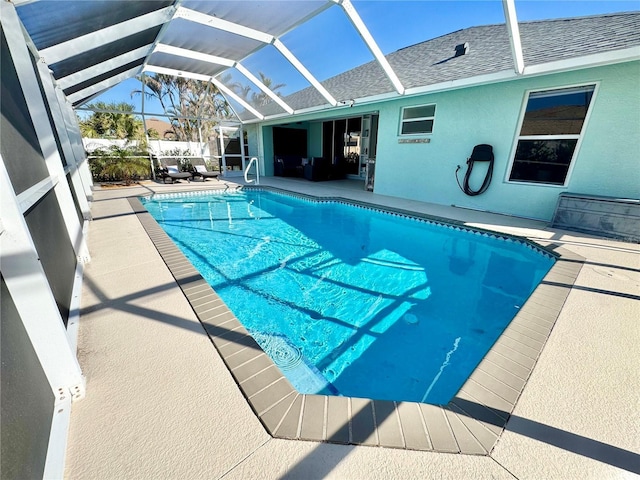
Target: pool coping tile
363, 426
289, 426
313, 418
388, 424
471, 423
257, 383
440, 434
337, 427
273, 418
415, 438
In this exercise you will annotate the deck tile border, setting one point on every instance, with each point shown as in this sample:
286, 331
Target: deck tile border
471, 423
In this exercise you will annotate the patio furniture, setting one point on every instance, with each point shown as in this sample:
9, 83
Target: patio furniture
288, 166
320, 169
200, 170
174, 173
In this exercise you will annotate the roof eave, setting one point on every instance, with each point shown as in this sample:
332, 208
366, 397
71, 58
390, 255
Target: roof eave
559, 66
588, 61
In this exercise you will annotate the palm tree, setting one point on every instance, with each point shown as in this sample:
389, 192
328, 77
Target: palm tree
185, 100
112, 120
260, 99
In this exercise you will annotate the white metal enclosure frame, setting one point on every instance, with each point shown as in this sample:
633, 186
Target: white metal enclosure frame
21, 266
231, 34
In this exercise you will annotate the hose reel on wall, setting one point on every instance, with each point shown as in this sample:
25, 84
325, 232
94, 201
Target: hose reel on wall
480, 153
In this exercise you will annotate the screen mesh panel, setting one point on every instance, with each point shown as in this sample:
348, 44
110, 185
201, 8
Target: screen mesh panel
104, 52
26, 396
105, 76
51, 23
18, 141
54, 248
75, 199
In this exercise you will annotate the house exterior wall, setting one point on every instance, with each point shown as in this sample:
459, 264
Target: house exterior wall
605, 164
606, 161
315, 139
267, 149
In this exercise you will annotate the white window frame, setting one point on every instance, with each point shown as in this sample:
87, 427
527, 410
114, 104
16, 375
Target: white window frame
417, 119
578, 136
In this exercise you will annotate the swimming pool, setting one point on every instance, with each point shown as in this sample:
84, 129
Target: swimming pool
354, 301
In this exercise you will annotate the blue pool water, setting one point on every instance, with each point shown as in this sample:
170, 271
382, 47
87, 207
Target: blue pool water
353, 301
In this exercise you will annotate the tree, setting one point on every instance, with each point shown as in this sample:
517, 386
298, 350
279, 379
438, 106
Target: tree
257, 99
260, 99
112, 120
153, 133
185, 100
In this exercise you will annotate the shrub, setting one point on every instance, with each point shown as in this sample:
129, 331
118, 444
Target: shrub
116, 163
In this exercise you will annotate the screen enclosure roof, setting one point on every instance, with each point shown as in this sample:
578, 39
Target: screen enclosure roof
248, 51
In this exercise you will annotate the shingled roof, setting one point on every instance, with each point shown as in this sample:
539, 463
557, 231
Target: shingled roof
433, 62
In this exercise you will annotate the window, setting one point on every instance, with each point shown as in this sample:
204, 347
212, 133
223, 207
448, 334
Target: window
417, 120
550, 131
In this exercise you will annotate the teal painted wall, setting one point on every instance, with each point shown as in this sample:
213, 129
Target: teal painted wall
607, 162
267, 151
314, 142
252, 139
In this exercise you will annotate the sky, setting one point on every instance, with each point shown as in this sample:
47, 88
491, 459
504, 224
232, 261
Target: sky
328, 45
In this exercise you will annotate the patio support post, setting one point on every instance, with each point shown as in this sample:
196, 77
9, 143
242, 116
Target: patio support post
223, 163
146, 132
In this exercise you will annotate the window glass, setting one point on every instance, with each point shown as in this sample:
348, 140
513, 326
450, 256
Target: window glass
419, 112
551, 128
556, 113
542, 161
422, 126
417, 120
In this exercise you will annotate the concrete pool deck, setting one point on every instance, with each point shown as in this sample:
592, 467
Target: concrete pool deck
161, 403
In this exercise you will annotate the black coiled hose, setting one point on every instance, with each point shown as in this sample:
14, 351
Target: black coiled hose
481, 153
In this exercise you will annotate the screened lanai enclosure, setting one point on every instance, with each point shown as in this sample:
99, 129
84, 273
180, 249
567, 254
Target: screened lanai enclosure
211, 68
234, 65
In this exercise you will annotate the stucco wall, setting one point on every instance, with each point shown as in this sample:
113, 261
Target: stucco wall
315, 139
267, 150
606, 164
